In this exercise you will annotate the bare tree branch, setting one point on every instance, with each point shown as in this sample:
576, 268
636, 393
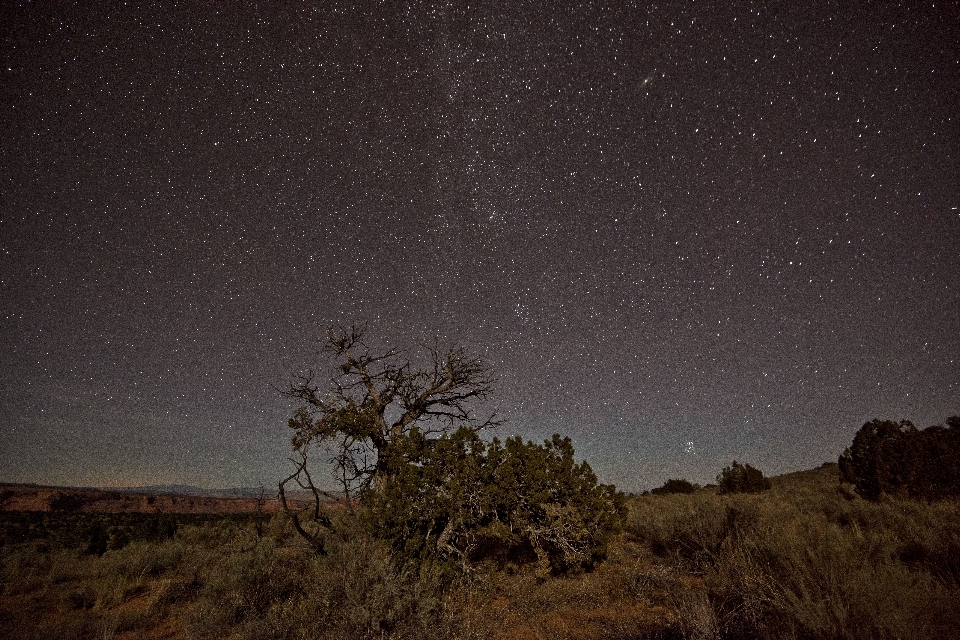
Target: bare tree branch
316, 541
350, 417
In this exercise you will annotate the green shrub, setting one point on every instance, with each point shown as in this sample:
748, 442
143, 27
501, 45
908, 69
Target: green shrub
675, 486
66, 502
459, 498
691, 528
357, 590
739, 478
98, 540
896, 458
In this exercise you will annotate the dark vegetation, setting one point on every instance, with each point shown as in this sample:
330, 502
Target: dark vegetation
675, 486
461, 498
889, 458
96, 533
739, 478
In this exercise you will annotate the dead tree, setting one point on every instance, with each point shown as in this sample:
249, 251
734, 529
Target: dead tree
372, 401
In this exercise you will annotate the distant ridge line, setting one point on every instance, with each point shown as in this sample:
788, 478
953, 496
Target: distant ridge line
164, 489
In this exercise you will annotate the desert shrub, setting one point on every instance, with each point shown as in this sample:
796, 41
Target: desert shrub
674, 486
739, 478
82, 597
807, 578
377, 594
98, 540
208, 563
144, 559
118, 539
113, 589
896, 458
66, 502
86, 531
155, 528
17, 527
247, 585
458, 497
357, 590
20, 569
691, 529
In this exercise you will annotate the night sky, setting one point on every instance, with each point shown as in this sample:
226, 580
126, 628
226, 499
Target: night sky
680, 233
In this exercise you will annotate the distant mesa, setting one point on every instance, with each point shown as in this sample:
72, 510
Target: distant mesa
175, 489
155, 499
189, 490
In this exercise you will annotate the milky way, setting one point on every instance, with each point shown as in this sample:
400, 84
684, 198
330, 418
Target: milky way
681, 234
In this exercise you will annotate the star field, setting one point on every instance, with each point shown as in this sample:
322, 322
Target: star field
680, 233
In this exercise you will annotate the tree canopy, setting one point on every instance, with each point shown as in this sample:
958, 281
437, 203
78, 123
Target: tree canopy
459, 497
887, 457
740, 478
406, 442
376, 398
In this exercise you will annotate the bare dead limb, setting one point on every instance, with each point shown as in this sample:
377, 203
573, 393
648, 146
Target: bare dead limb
350, 418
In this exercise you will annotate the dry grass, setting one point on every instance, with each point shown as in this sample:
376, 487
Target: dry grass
803, 560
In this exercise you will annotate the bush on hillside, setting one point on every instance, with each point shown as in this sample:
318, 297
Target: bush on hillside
739, 478
675, 486
896, 458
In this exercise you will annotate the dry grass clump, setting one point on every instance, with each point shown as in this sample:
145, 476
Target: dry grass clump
221, 579
627, 596
356, 591
806, 561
